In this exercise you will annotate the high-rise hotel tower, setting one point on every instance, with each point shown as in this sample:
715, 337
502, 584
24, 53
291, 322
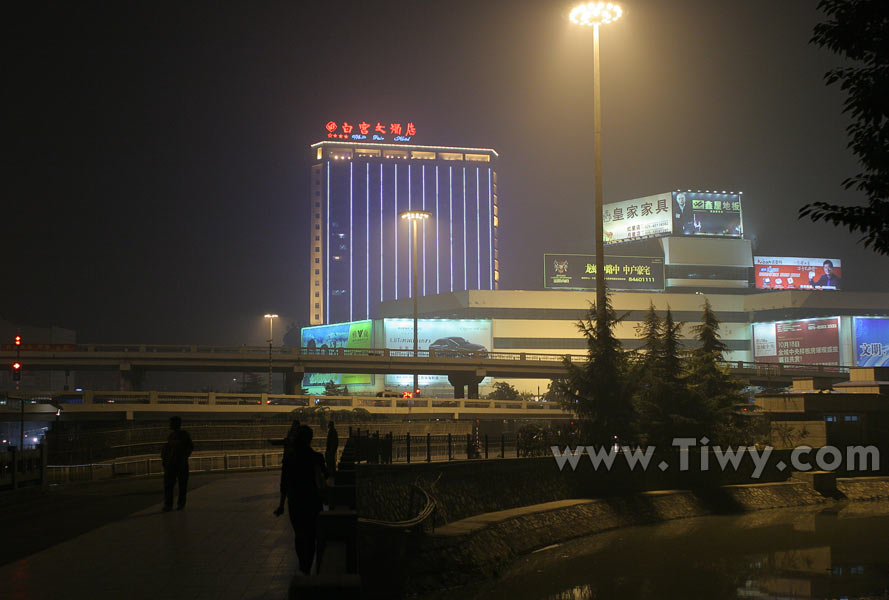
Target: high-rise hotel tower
361, 250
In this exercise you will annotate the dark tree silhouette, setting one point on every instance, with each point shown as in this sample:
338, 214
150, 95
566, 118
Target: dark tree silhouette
858, 30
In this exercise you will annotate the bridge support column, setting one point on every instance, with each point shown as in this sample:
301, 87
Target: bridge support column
460, 383
130, 378
293, 380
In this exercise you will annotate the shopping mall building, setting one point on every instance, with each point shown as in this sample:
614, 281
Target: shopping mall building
671, 250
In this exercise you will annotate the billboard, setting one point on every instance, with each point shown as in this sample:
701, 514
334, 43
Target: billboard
795, 273
329, 338
707, 214
800, 342
470, 335
578, 272
871, 341
637, 219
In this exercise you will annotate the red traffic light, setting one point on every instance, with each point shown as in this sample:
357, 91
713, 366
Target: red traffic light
18, 340
16, 366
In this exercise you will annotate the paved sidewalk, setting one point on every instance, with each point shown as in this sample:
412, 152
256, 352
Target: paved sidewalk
226, 544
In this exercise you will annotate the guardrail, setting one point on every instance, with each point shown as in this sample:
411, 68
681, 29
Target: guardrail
149, 466
22, 467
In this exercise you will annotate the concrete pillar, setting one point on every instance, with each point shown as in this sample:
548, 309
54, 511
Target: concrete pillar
293, 380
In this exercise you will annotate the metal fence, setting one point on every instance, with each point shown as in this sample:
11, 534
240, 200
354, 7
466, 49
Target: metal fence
374, 447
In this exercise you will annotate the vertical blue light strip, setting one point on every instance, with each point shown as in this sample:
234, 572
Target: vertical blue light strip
367, 242
395, 232
381, 232
351, 242
451, 219
327, 241
465, 274
410, 254
478, 230
437, 268
423, 177
490, 230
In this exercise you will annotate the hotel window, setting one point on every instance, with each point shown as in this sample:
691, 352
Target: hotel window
397, 154
495, 210
450, 156
317, 260
478, 157
318, 157
494, 174
317, 294
317, 249
851, 418
317, 226
317, 305
317, 272
317, 316
366, 152
423, 154
830, 419
317, 283
496, 221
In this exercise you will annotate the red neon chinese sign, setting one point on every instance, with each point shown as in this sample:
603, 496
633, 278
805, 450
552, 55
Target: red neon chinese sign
378, 132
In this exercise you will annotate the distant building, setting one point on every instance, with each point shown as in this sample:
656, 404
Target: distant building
361, 249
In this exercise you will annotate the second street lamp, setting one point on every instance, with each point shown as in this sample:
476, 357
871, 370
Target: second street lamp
271, 319
414, 217
593, 14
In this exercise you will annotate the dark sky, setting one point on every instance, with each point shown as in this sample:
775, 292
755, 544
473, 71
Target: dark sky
157, 153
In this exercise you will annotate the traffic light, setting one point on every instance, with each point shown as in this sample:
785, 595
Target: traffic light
18, 340
16, 371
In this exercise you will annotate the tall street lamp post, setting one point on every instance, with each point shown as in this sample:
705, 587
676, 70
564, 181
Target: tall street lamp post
414, 217
593, 14
271, 319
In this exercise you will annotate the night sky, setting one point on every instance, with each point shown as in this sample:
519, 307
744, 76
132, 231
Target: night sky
156, 164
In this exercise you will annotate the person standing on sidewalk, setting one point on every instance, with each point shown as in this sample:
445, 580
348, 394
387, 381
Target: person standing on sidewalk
174, 457
333, 443
303, 477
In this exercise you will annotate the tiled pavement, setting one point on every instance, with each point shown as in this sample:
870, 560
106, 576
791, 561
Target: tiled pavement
226, 544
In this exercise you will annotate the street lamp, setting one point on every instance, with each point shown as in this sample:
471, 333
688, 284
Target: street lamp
593, 14
414, 217
271, 319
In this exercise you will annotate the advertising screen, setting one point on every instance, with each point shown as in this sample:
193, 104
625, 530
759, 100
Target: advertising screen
707, 213
871, 341
637, 219
578, 272
323, 338
802, 342
455, 335
795, 273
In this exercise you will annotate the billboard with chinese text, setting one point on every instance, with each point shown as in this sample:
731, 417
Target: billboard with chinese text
795, 273
578, 272
707, 214
329, 338
871, 341
637, 219
451, 335
800, 342
403, 131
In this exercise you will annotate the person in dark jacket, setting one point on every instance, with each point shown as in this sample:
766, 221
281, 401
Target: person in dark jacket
302, 479
174, 457
333, 443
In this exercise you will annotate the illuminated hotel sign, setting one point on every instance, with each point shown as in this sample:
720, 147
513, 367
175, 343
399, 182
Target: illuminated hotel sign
578, 272
378, 132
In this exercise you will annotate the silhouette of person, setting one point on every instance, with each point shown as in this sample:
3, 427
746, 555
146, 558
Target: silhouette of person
333, 443
289, 438
302, 477
174, 457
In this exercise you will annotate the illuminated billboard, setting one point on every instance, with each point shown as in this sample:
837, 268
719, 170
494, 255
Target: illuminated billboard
330, 338
373, 132
637, 219
795, 273
800, 342
707, 214
453, 335
871, 341
578, 272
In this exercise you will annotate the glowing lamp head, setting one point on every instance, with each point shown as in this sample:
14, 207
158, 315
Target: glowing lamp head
270, 316
415, 215
593, 14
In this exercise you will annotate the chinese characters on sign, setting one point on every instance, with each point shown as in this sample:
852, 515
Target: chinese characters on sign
578, 272
803, 342
794, 273
707, 213
637, 219
871, 341
379, 132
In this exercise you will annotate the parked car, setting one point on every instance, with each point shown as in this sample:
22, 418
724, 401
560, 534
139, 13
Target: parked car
457, 346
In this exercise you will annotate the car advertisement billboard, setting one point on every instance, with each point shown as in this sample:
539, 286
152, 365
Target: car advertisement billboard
578, 272
453, 335
796, 273
330, 338
707, 214
637, 219
800, 342
871, 341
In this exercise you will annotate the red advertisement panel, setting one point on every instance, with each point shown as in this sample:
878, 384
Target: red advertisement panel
803, 342
795, 273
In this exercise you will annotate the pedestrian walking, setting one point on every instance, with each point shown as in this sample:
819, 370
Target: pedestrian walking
174, 457
333, 444
303, 477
